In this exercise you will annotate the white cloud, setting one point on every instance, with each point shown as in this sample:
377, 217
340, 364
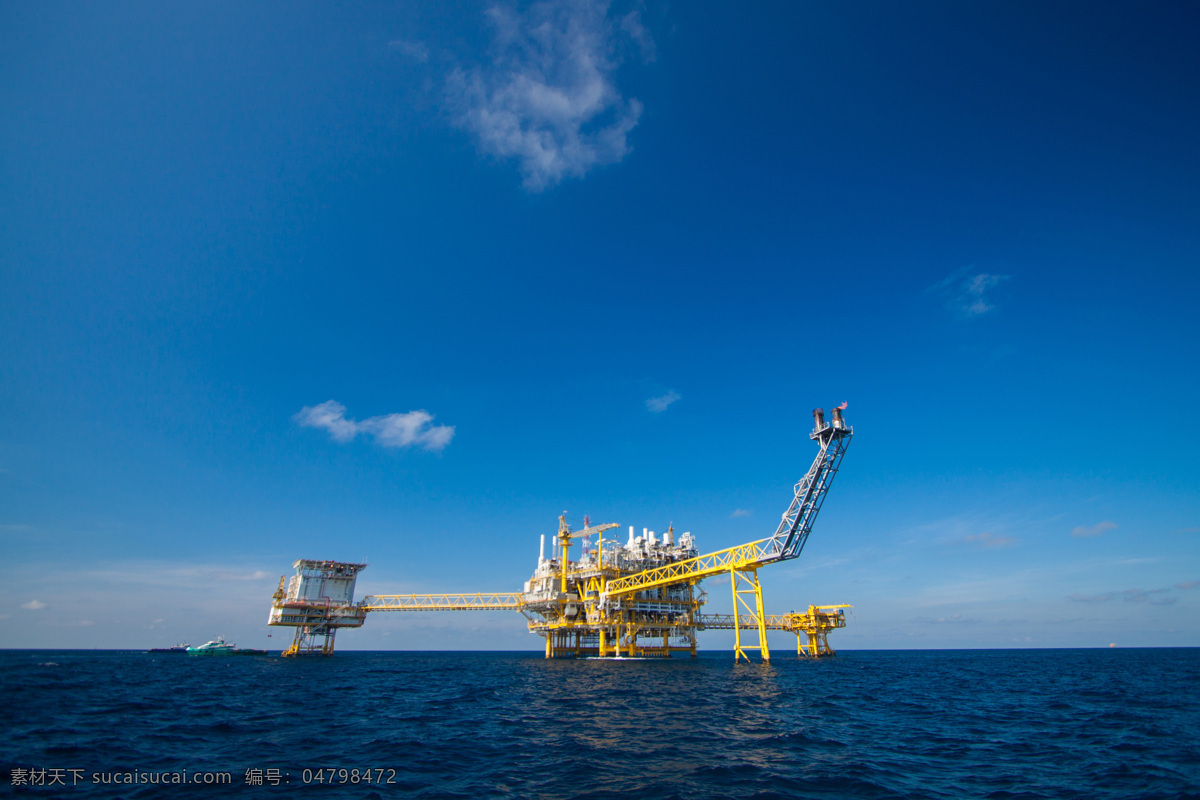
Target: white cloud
966, 291
741, 512
1093, 530
659, 404
33, 605
411, 429
548, 99
330, 415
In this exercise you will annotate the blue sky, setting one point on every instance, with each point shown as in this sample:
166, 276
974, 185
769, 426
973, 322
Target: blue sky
404, 282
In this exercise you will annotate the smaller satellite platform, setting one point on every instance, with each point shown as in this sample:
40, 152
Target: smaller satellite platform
317, 601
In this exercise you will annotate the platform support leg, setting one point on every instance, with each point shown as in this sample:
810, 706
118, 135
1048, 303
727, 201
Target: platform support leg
748, 602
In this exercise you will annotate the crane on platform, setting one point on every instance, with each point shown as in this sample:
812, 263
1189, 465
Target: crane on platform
565, 535
638, 600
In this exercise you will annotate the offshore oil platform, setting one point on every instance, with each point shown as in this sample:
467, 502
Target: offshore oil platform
637, 599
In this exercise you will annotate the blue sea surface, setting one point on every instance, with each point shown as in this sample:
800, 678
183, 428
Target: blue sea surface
866, 724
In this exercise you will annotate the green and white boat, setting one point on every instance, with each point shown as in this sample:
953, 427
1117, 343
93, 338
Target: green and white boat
217, 647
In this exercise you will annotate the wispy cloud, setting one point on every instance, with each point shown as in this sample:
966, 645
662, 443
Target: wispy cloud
257, 575
1129, 596
33, 605
411, 429
741, 512
990, 540
631, 25
1158, 597
953, 532
548, 99
954, 618
1193, 529
173, 575
662, 402
417, 51
966, 292
1085, 531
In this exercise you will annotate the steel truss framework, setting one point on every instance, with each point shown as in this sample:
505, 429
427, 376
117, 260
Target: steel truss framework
312, 640
787, 542
481, 601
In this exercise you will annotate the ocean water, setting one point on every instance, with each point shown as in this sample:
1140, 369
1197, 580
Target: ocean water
867, 724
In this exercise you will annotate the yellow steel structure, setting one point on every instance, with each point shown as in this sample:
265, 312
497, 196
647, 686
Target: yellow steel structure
811, 628
643, 598
745, 585
740, 562
741, 558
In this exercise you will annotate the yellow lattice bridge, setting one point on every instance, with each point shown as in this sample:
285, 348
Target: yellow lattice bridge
496, 601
